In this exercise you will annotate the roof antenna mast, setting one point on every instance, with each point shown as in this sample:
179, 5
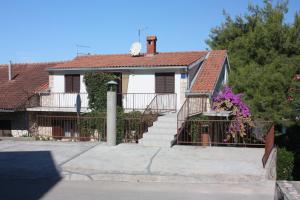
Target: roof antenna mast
139, 32
78, 47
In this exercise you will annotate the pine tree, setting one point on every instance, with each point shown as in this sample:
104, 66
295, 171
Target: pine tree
264, 55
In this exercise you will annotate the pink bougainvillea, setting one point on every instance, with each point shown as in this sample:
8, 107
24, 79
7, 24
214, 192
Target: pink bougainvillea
226, 100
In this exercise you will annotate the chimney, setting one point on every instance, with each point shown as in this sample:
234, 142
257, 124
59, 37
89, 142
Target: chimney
151, 45
10, 72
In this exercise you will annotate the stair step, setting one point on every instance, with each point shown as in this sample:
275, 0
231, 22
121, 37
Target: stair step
172, 116
162, 133
171, 120
155, 143
165, 125
162, 130
168, 137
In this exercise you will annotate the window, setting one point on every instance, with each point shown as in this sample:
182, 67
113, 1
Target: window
164, 83
72, 83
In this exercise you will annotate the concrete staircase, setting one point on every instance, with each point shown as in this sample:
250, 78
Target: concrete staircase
162, 133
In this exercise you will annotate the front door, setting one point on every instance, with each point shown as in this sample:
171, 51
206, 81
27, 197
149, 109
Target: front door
164, 82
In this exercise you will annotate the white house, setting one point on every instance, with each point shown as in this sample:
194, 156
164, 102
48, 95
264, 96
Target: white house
142, 77
167, 76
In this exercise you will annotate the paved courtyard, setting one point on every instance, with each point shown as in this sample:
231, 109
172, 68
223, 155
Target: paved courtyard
66, 162
130, 162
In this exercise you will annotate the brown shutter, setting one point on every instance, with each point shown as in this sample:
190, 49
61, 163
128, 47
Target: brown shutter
159, 83
164, 83
169, 83
68, 83
76, 83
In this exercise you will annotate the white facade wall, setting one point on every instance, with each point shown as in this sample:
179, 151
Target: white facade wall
141, 83
178, 90
137, 83
58, 83
145, 83
58, 97
82, 84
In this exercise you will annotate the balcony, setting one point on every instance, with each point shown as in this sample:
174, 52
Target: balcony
60, 102
66, 102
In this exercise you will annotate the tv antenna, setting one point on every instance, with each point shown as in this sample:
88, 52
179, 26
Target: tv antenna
79, 46
139, 32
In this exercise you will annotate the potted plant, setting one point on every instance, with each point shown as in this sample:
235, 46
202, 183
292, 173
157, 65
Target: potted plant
204, 135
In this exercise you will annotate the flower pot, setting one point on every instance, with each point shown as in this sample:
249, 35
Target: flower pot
204, 135
204, 139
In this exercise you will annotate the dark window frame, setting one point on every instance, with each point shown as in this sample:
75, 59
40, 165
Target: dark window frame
72, 83
162, 84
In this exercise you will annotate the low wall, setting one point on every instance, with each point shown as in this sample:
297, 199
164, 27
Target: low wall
271, 165
18, 121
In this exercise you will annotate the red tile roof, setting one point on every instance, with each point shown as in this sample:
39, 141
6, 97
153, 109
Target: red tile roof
126, 60
209, 72
27, 79
31, 78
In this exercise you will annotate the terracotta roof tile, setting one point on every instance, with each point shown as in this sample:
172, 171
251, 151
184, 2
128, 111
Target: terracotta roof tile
209, 72
126, 60
27, 79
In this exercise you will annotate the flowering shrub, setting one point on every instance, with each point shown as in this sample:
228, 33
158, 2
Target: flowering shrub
226, 100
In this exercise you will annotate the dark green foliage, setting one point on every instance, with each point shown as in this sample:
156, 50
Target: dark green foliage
285, 164
291, 142
127, 123
294, 97
96, 88
264, 55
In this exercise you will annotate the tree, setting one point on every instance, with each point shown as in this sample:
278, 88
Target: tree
264, 55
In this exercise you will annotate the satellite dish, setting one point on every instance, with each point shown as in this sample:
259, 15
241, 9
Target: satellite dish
135, 49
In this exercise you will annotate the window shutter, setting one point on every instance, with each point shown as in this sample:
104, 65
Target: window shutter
68, 83
164, 83
76, 83
159, 83
169, 83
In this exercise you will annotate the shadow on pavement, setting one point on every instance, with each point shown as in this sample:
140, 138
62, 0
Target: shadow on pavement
27, 174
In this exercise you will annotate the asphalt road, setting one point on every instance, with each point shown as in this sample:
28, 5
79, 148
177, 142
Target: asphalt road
81, 190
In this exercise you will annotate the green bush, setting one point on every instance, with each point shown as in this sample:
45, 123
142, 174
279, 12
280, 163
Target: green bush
285, 164
97, 89
127, 123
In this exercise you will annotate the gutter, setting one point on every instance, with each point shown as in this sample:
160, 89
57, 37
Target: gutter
193, 94
113, 68
9, 111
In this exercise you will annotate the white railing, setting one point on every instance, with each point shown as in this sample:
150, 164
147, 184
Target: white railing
140, 101
63, 100
129, 101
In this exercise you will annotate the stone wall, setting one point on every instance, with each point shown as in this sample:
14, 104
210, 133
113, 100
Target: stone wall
19, 122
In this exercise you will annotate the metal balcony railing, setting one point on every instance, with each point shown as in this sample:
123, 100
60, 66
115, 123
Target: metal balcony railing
140, 101
62, 100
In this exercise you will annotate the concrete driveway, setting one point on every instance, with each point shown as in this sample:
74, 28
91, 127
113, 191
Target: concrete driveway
129, 162
37, 159
61, 169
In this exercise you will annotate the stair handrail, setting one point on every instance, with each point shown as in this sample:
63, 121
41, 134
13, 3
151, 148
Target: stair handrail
183, 113
144, 124
198, 105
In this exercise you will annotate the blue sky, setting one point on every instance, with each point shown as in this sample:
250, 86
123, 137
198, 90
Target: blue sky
48, 30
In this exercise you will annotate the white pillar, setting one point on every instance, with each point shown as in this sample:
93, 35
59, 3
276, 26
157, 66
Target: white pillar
111, 117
